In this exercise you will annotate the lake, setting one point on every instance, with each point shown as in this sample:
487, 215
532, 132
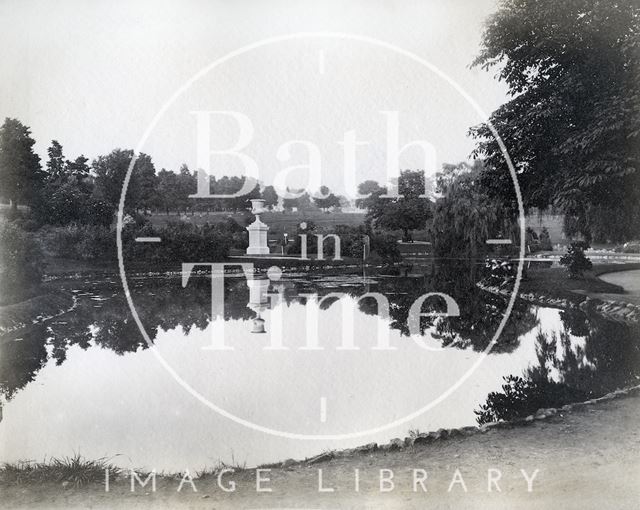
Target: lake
87, 382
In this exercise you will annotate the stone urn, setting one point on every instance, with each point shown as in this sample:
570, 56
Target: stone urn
258, 230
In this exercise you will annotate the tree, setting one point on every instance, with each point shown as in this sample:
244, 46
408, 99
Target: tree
20, 172
79, 169
56, 165
110, 174
167, 190
301, 203
464, 216
371, 188
270, 197
146, 181
572, 126
326, 200
407, 213
575, 261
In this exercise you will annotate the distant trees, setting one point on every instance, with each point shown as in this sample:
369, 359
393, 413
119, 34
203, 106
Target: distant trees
20, 172
67, 195
326, 200
301, 203
572, 126
270, 197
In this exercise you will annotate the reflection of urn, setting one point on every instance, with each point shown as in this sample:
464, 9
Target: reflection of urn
258, 230
258, 301
258, 325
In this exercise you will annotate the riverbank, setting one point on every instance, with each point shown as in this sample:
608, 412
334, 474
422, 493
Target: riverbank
34, 311
586, 456
552, 287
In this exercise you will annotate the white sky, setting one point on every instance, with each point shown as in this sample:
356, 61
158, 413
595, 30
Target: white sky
92, 74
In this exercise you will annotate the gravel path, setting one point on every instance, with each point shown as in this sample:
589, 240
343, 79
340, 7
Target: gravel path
587, 458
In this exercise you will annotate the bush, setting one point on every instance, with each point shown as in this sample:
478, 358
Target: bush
522, 397
238, 233
61, 241
181, 242
630, 247
66, 204
575, 261
544, 240
21, 264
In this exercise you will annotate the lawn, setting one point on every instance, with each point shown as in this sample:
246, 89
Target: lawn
278, 222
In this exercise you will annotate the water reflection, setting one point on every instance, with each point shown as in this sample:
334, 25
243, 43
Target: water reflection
90, 369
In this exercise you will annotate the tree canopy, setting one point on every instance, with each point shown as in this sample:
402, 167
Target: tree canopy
408, 212
20, 172
572, 127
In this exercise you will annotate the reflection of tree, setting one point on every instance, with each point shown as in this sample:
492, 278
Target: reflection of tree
21, 357
567, 370
162, 304
480, 313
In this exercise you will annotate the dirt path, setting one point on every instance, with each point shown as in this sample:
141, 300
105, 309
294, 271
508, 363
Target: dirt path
588, 457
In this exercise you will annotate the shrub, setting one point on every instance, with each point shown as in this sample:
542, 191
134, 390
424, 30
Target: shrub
575, 261
544, 240
181, 242
96, 243
21, 264
630, 247
61, 241
386, 247
522, 397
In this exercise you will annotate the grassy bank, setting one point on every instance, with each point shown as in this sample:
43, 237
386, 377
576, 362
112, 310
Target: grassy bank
33, 310
554, 281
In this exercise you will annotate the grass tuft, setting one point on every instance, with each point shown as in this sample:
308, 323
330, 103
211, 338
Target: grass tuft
75, 470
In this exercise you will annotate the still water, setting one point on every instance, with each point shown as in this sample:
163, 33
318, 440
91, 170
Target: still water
86, 382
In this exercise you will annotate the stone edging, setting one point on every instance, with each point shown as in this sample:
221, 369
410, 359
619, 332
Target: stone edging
618, 311
49, 305
444, 434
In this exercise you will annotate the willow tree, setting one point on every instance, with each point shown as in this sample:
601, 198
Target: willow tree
572, 126
465, 216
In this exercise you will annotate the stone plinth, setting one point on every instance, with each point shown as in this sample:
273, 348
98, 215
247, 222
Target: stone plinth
258, 238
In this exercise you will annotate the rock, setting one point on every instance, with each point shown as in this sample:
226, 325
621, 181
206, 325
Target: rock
442, 433
454, 433
323, 457
367, 448
469, 431
287, 463
529, 418
396, 444
423, 439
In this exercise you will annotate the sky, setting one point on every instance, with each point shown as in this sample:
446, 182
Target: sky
94, 74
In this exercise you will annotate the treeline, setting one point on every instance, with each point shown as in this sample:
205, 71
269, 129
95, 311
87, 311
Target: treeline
67, 191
